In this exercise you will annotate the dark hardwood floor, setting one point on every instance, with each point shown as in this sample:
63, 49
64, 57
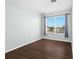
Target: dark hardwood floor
42, 49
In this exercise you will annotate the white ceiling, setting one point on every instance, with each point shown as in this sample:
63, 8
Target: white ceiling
42, 6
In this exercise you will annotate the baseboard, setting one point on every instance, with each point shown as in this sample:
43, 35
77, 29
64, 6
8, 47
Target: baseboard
57, 39
21, 46
32, 42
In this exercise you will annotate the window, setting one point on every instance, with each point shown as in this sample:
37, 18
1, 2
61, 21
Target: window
55, 24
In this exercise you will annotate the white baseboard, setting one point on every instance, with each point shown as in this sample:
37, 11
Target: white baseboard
58, 39
32, 42
21, 45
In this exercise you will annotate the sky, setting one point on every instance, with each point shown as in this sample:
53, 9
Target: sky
56, 21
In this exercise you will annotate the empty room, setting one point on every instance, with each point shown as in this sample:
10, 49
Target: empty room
38, 29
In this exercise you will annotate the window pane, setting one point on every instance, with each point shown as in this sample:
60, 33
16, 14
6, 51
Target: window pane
60, 21
55, 24
51, 25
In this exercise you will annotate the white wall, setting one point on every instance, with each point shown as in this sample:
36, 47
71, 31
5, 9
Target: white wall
57, 36
21, 27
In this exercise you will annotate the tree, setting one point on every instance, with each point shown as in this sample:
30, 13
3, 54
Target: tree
51, 28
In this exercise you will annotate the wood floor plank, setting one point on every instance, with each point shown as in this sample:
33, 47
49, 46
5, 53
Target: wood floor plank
42, 49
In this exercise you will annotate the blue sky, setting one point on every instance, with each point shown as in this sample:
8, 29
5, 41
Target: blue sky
60, 20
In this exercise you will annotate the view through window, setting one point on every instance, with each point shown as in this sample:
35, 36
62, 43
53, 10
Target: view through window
55, 24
